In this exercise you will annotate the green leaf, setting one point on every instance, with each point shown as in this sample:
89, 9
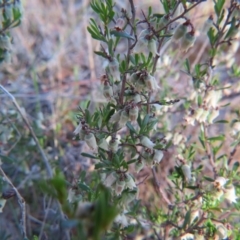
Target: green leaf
187, 219
221, 121
130, 127
187, 65
235, 166
211, 36
84, 187
121, 34
102, 54
89, 155
208, 179
217, 138
219, 6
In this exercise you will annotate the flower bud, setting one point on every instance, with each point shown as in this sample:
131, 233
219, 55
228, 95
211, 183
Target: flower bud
179, 32
187, 172
130, 183
113, 67
187, 41
158, 155
145, 141
133, 113
91, 141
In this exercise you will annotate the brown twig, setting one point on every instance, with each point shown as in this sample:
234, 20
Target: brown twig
21, 202
159, 187
209, 152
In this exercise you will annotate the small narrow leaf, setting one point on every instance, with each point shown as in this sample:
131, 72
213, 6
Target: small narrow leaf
121, 34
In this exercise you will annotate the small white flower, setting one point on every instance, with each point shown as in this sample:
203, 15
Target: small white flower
151, 83
141, 45
193, 96
199, 237
158, 156
107, 91
137, 98
220, 182
217, 194
198, 113
145, 141
152, 46
222, 231
113, 67
113, 145
187, 172
122, 220
130, 183
133, 113
236, 126
177, 138
230, 194
168, 136
201, 115
212, 98
123, 118
71, 195
103, 144
187, 236
115, 117
139, 166
91, 141
190, 120
110, 179
78, 128
120, 185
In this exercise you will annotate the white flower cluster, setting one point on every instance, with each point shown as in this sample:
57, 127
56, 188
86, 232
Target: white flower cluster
206, 113
221, 191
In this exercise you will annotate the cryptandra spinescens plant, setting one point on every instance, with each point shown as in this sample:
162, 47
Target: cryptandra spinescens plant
120, 132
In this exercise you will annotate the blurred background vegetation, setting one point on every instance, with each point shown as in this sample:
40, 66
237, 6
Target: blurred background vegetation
52, 71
